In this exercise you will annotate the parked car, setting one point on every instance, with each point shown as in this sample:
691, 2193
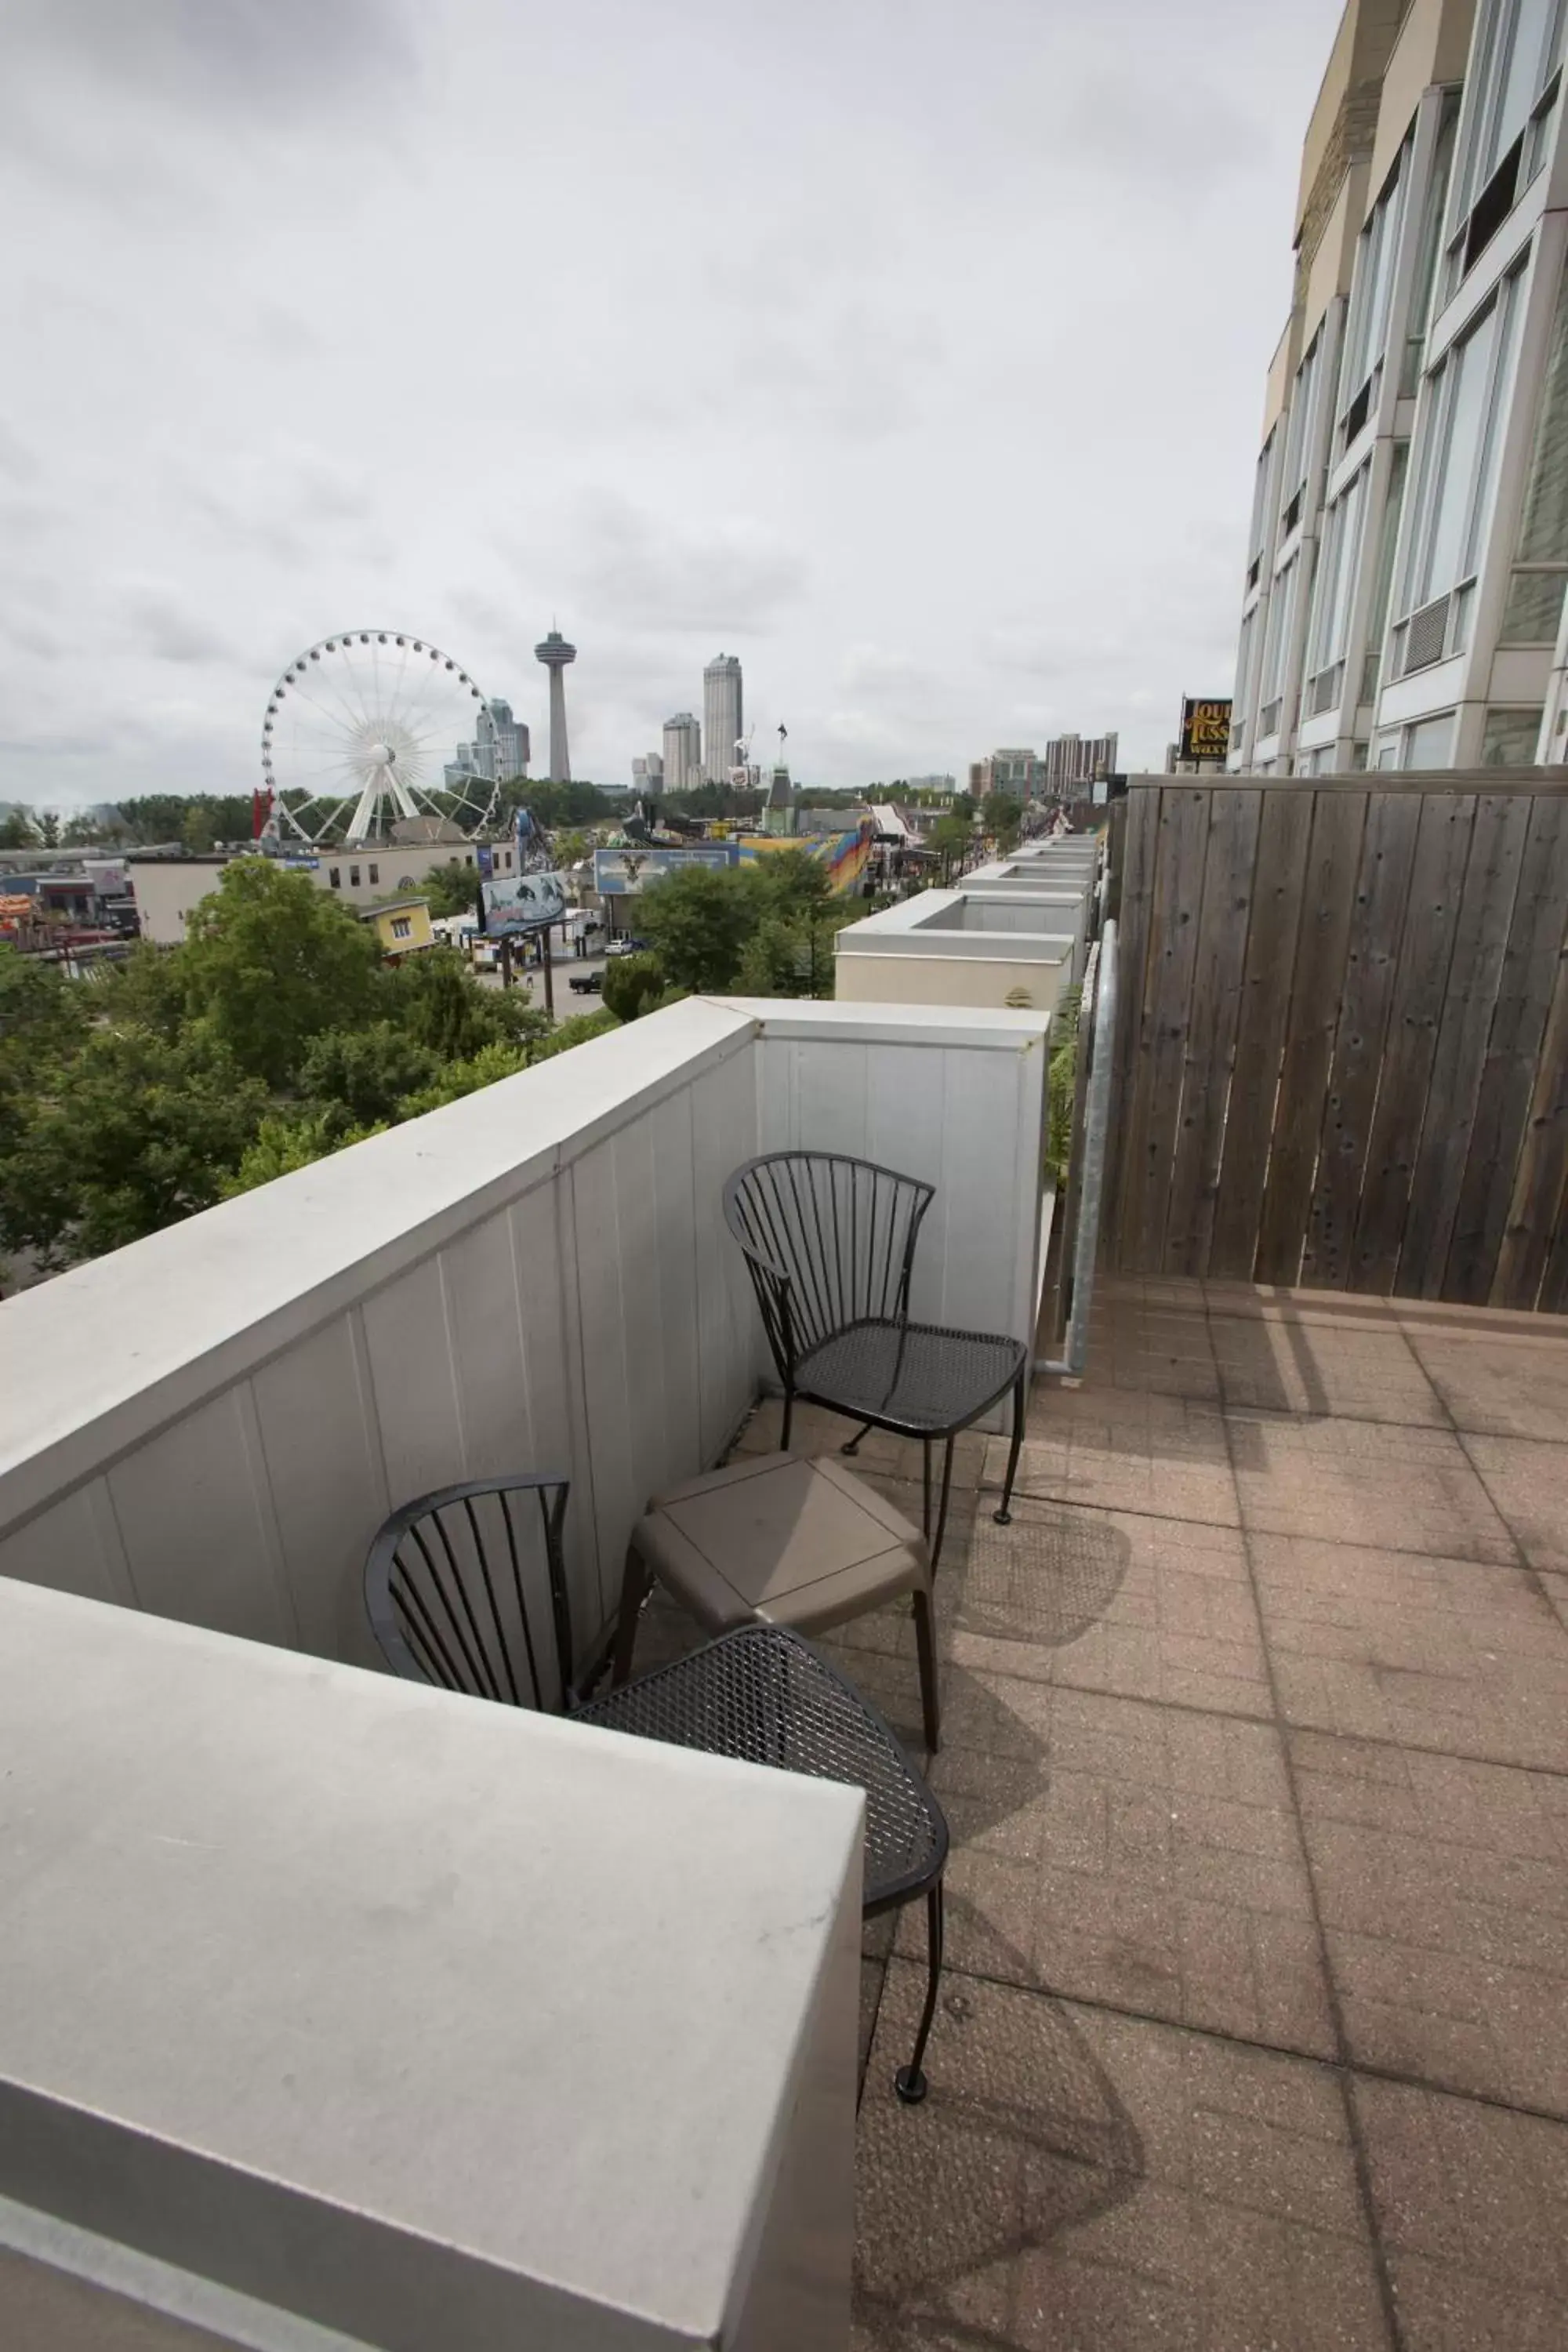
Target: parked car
587, 983
626, 947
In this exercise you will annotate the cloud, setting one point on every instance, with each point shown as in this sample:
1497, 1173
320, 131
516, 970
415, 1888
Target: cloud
297, 55
160, 624
726, 574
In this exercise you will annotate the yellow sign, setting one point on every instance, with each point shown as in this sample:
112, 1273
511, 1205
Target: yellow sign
1205, 729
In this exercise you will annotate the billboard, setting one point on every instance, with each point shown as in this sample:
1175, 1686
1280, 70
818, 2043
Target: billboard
1205, 728
620, 873
520, 903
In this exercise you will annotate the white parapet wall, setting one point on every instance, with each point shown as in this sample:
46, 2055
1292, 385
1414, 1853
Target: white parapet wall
211, 1424
337, 2013
971, 945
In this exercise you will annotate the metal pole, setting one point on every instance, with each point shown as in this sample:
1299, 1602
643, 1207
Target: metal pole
1096, 1126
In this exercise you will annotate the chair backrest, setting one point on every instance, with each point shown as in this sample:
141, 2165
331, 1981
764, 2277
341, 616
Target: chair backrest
830, 1241
467, 1588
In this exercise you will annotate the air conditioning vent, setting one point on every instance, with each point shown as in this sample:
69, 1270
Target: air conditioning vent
1425, 635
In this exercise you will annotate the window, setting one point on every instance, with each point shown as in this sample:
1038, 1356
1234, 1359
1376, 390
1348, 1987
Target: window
1277, 634
1258, 532
374, 873
1300, 435
354, 877
1459, 439
1509, 738
334, 876
1338, 568
402, 927
1383, 581
1428, 744
1433, 205
1534, 604
1515, 52
1372, 294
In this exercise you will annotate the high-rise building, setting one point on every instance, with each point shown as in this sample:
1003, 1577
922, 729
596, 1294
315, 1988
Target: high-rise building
1014, 770
648, 775
499, 749
1071, 763
722, 711
682, 752
1407, 557
556, 653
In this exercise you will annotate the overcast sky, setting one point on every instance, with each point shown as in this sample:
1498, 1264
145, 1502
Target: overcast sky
913, 352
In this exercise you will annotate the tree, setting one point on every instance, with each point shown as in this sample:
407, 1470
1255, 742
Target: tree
42, 1022
17, 829
455, 1079
952, 837
634, 985
792, 958
698, 922
360, 1076
452, 889
437, 1001
1003, 818
196, 830
135, 1133
795, 882
48, 829
281, 1144
580, 1030
149, 989
269, 961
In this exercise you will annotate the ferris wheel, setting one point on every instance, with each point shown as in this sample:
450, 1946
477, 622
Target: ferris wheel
372, 727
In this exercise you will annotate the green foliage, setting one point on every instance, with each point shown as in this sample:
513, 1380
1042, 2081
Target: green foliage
698, 922
149, 989
47, 827
41, 1022
577, 1031
198, 830
496, 1060
16, 830
269, 961
437, 1001
555, 805
633, 984
794, 882
1003, 818
453, 888
281, 1144
360, 1076
197, 819
134, 1133
1062, 1080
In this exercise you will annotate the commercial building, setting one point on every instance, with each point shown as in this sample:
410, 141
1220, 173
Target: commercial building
402, 927
1015, 770
166, 887
682, 752
722, 714
1408, 549
1072, 762
647, 773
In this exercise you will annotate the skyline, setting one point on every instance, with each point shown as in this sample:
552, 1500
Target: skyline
924, 519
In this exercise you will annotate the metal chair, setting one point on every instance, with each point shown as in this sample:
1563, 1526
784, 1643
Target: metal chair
829, 1243
466, 1588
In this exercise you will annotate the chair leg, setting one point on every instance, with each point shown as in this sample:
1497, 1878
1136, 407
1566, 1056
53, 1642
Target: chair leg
925, 1488
1004, 1517
788, 1417
941, 1513
925, 1643
853, 1444
634, 1583
909, 2082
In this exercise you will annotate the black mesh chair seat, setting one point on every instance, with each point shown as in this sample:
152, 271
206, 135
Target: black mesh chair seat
763, 1694
916, 1377
466, 1588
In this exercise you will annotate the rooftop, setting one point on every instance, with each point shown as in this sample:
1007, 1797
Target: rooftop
1256, 1758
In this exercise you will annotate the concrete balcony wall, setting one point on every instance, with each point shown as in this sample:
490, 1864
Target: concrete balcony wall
212, 1424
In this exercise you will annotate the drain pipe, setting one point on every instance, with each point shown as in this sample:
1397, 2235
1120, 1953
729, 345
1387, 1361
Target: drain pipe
1096, 1128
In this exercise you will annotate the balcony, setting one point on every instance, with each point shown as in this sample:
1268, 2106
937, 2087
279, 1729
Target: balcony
1255, 1747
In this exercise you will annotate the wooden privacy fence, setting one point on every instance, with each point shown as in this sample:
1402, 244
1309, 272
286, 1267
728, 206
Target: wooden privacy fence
1342, 1049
